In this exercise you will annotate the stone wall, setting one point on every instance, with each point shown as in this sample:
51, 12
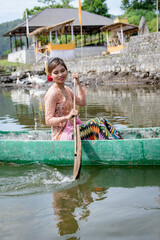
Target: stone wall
144, 44
140, 58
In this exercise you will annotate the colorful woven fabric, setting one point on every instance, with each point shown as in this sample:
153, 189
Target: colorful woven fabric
98, 129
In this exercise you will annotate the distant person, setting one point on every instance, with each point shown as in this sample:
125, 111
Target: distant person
59, 110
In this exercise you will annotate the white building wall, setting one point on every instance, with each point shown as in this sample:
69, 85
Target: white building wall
64, 54
26, 56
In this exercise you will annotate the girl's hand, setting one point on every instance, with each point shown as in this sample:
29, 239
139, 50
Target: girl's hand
76, 76
73, 113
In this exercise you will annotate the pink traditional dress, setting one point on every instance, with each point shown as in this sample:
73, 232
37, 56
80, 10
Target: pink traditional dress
59, 103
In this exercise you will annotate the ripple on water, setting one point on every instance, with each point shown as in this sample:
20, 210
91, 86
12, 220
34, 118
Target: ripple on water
32, 179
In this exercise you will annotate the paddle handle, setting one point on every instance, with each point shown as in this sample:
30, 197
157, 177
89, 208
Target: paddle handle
75, 130
77, 143
74, 90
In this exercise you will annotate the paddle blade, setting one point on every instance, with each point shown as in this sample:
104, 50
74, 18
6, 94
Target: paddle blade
78, 155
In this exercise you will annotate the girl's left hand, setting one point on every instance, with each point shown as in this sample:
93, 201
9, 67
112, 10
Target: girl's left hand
76, 76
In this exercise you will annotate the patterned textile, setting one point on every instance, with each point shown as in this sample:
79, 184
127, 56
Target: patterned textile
98, 129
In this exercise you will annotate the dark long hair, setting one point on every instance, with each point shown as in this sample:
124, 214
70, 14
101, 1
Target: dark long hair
54, 62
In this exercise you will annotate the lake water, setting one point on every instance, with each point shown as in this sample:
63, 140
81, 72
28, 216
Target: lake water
42, 202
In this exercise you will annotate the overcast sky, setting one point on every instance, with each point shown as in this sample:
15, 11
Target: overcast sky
13, 9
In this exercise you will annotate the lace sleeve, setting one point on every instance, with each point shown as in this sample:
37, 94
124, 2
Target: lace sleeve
51, 100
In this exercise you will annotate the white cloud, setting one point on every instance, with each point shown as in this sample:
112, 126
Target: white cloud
11, 10
114, 7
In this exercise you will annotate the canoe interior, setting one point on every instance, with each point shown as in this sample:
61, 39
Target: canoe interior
128, 133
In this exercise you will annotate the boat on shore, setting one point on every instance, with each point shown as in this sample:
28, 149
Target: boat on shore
140, 146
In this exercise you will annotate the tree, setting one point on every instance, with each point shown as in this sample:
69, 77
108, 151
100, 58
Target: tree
6, 27
54, 3
135, 9
32, 11
134, 17
48, 2
96, 6
66, 3
18, 43
129, 5
125, 4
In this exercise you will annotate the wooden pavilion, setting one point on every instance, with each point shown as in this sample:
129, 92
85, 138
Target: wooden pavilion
50, 49
119, 31
53, 17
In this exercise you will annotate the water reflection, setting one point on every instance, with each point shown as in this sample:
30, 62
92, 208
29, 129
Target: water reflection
75, 201
74, 206
123, 105
19, 96
24, 107
129, 105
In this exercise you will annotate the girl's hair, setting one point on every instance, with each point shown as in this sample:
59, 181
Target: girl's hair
54, 62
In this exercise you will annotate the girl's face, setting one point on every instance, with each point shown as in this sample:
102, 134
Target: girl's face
59, 74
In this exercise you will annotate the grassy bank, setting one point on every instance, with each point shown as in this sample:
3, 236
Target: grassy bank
5, 63
7, 68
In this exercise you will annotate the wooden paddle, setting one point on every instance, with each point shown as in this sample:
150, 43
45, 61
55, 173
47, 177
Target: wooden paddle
77, 143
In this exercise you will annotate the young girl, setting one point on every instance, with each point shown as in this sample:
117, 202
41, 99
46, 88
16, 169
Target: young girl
59, 110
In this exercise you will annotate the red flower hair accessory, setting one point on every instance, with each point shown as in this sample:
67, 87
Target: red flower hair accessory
49, 78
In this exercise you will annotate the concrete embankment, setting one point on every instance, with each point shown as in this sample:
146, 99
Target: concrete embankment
139, 62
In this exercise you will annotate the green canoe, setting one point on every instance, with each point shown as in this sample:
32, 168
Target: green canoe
140, 146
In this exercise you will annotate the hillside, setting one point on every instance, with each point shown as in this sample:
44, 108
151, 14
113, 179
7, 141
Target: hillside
5, 41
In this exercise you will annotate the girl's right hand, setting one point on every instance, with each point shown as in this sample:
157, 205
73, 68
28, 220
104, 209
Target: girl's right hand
73, 113
76, 76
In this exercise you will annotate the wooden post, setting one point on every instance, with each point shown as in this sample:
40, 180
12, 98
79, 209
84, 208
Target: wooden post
102, 38
157, 17
66, 37
56, 37
15, 42
99, 38
27, 31
50, 36
91, 38
36, 42
76, 40
10, 42
21, 41
27, 42
81, 42
84, 39
72, 31
107, 38
122, 35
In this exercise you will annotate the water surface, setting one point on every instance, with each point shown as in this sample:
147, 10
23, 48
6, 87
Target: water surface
123, 105
43, 202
